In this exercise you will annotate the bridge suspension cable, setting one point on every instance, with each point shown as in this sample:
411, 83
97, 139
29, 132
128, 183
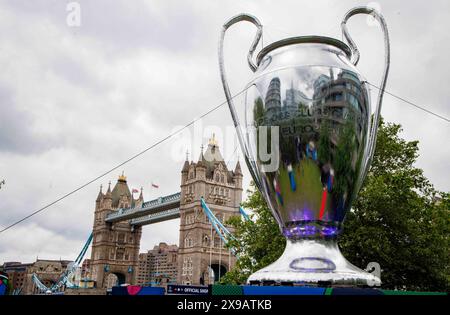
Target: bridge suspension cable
244, 214
64, 279
221, 230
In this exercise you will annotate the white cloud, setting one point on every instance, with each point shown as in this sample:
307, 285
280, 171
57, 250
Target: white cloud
25, 243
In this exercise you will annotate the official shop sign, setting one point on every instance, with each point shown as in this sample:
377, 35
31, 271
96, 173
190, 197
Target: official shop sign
187, 289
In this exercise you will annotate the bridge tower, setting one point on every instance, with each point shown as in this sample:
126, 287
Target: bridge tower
115, 247
200, 247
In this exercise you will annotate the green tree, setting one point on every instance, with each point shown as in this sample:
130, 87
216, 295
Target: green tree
398, 220
258, 112
324, 144
342, 161
257, 243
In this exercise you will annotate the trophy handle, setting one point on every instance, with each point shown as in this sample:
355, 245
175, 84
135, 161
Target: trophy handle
355, 58
238, 18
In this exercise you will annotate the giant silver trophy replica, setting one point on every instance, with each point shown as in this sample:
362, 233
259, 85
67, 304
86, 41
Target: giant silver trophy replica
308, 134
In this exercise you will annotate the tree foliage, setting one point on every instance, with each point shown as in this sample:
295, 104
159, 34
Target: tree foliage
257, 243
398, 220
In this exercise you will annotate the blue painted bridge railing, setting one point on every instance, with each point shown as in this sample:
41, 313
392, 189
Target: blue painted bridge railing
147, 208
157, 217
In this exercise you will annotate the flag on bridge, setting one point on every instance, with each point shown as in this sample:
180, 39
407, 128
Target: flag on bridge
154, 185
134, 190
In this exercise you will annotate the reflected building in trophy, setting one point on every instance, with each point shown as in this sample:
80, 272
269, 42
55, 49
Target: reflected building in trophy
273, 99
338, 100
322, 130
294, 99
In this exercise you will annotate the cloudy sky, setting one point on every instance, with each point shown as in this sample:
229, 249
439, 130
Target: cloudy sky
78, 100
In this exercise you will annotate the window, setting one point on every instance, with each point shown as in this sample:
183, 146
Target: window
205, 240
337, 113
119, 253
188, 242
353, 101
189, 219
338, 97
217, 242
187, 266
351, 76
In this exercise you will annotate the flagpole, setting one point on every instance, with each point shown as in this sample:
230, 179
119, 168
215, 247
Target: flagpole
220, 256
211, 240
229, 259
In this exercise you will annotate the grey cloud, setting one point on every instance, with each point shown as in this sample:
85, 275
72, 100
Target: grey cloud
17, 134
125, 25
68, 68
133, 25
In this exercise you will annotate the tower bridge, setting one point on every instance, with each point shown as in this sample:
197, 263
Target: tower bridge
119, 218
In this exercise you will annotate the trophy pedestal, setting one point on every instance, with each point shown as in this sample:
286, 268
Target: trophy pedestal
314, 262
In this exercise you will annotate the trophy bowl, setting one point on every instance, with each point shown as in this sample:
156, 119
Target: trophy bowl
308, 131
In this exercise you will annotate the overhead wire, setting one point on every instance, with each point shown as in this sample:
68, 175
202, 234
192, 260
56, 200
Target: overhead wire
167, 137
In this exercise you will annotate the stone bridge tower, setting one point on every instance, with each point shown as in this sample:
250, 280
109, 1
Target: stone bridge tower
115, 247
200, 248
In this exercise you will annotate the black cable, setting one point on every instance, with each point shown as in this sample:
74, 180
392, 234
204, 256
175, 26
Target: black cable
176, 132
121, 164
229, 160
411, 103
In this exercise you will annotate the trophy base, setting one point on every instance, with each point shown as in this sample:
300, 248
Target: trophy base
313, 262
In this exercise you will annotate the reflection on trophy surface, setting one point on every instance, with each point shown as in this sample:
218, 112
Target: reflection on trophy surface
322, 141
307, 130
